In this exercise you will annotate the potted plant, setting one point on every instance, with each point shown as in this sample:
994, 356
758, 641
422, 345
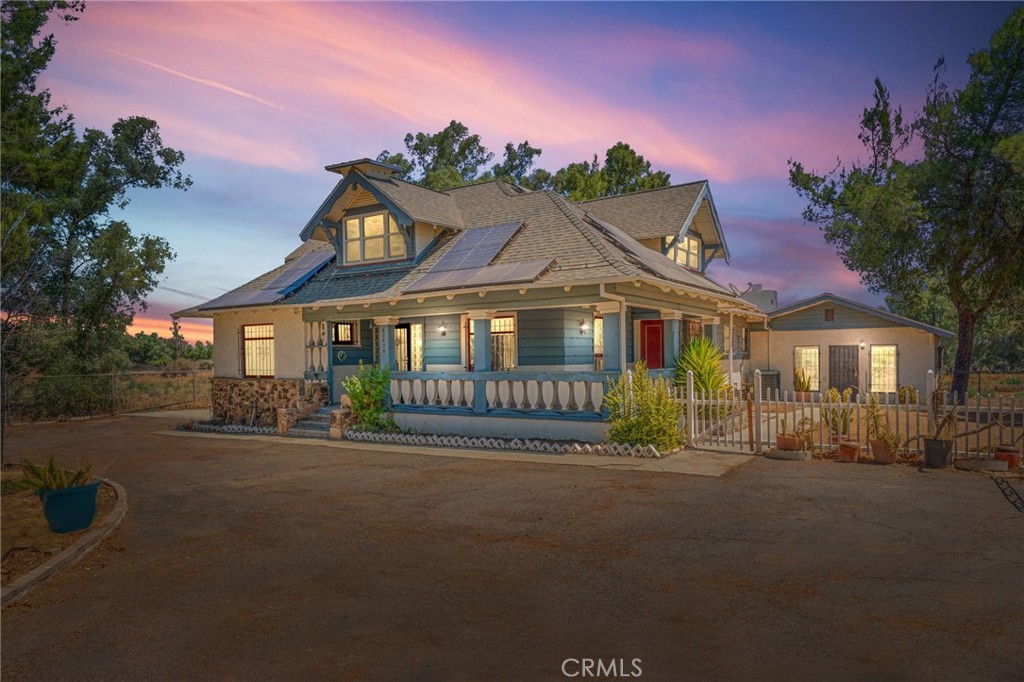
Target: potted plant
802, 385
849, 451
835, 410
68, 496
884, 443
798, 439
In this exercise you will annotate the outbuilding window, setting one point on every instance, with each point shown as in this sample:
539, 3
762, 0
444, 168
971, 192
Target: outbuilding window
806, 362
884, 369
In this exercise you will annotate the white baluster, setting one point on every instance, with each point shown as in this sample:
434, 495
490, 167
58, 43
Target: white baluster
563, 395
469, 390
457, 391
431, 391
443, 391
395, 391
518, 389
417, 391
492, 391
547, 391
597, 395
532, 394
579, 390
503, 392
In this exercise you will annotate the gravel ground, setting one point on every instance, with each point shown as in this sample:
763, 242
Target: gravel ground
247, 560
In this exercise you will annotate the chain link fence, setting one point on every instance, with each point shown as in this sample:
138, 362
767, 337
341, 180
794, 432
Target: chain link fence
65, 396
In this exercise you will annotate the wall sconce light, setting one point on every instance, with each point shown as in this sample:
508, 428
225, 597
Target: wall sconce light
442, 330
862, 344
584, 326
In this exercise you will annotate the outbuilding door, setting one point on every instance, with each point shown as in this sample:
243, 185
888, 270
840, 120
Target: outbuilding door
652, 347
842, 367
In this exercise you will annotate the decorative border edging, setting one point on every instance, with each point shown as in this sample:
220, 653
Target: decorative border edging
233, 428
515, 444
70, 556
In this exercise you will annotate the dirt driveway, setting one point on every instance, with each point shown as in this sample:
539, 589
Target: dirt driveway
244, 560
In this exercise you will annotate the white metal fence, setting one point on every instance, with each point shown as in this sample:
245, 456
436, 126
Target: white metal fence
751, 420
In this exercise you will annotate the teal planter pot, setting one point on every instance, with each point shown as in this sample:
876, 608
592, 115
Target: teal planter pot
69, 509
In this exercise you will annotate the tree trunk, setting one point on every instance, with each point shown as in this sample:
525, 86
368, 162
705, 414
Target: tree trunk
964, 352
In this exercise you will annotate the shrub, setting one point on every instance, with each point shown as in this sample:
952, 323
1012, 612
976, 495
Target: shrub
908, 395
53, 477
642, 411
369, 391
702, 357
836, 410
803, 381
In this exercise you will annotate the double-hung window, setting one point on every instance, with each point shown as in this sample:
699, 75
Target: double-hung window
258, 350
373, 237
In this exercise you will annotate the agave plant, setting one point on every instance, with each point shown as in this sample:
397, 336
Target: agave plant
702, 357
52, 477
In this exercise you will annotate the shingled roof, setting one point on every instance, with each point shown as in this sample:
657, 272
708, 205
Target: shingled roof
585, 245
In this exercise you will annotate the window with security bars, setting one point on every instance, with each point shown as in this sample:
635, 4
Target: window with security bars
258, 350
884, 374
806, 362
503, 344
345, 334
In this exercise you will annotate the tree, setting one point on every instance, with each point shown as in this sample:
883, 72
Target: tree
73, 277
949, 224
453, 157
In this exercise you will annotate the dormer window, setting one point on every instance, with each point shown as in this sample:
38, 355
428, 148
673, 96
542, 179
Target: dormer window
685, 251
368, 240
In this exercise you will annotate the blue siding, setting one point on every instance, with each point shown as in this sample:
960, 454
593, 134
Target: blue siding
552, 337
442, 350
635, 314
814, 318
353, 354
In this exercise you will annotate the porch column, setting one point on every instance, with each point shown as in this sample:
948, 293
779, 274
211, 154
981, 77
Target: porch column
386, 350
670, 336
732, 342
611, 313
481, 322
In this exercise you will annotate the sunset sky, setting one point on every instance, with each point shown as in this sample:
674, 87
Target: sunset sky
261, 96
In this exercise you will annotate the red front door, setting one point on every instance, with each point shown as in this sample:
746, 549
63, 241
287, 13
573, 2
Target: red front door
652, 347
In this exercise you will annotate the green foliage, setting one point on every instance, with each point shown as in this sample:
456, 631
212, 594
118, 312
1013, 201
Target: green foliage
836, 410
908, 395
52, 477
642, 411
72, 277
704, 359
950, 219
878, 424
369, 391
802, 382
453, 157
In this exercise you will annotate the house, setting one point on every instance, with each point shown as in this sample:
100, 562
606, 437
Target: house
500, 311
841, 343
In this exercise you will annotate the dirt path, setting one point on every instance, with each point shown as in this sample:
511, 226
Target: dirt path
242, 559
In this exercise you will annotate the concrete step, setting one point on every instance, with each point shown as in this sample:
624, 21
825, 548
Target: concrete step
302, 432
318, 418
313, 425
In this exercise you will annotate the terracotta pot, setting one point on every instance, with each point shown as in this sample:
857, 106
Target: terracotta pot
788, 443
882, 453
849, 451
802, 396
1009, 454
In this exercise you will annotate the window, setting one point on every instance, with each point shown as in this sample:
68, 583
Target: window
884, 374
366, 238
691, 330
686, 251
830, 314
503, 344
345, 334
598, 343
258, 350
805, 361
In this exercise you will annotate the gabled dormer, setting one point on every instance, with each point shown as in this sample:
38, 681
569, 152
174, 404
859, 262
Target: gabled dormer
679, 221
372, 217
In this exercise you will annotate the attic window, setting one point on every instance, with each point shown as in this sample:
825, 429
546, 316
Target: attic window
830, 314
685, 251
366, 239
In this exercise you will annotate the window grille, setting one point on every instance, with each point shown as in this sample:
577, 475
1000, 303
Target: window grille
258, 350
884, 370
807, 358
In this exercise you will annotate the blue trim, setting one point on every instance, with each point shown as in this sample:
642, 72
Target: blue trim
503, 412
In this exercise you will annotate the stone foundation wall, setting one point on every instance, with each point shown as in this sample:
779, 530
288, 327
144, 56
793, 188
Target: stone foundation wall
233, 400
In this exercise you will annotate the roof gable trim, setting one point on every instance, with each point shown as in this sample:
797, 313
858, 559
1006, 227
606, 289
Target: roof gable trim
353, 179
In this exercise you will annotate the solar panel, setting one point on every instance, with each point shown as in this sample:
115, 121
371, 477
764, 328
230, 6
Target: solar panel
296, 274
477, 247
505, 273
291, 278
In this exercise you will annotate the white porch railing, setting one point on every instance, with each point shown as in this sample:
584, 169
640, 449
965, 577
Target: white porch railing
559, 394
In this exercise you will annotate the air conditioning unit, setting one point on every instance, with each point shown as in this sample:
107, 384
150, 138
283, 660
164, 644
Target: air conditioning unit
769, 383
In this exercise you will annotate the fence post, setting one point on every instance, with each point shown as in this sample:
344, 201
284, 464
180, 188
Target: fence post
193, 388
113, 393
930, 399
691, 411
757, 411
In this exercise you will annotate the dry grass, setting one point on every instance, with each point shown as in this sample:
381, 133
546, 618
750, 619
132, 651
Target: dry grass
27, 541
